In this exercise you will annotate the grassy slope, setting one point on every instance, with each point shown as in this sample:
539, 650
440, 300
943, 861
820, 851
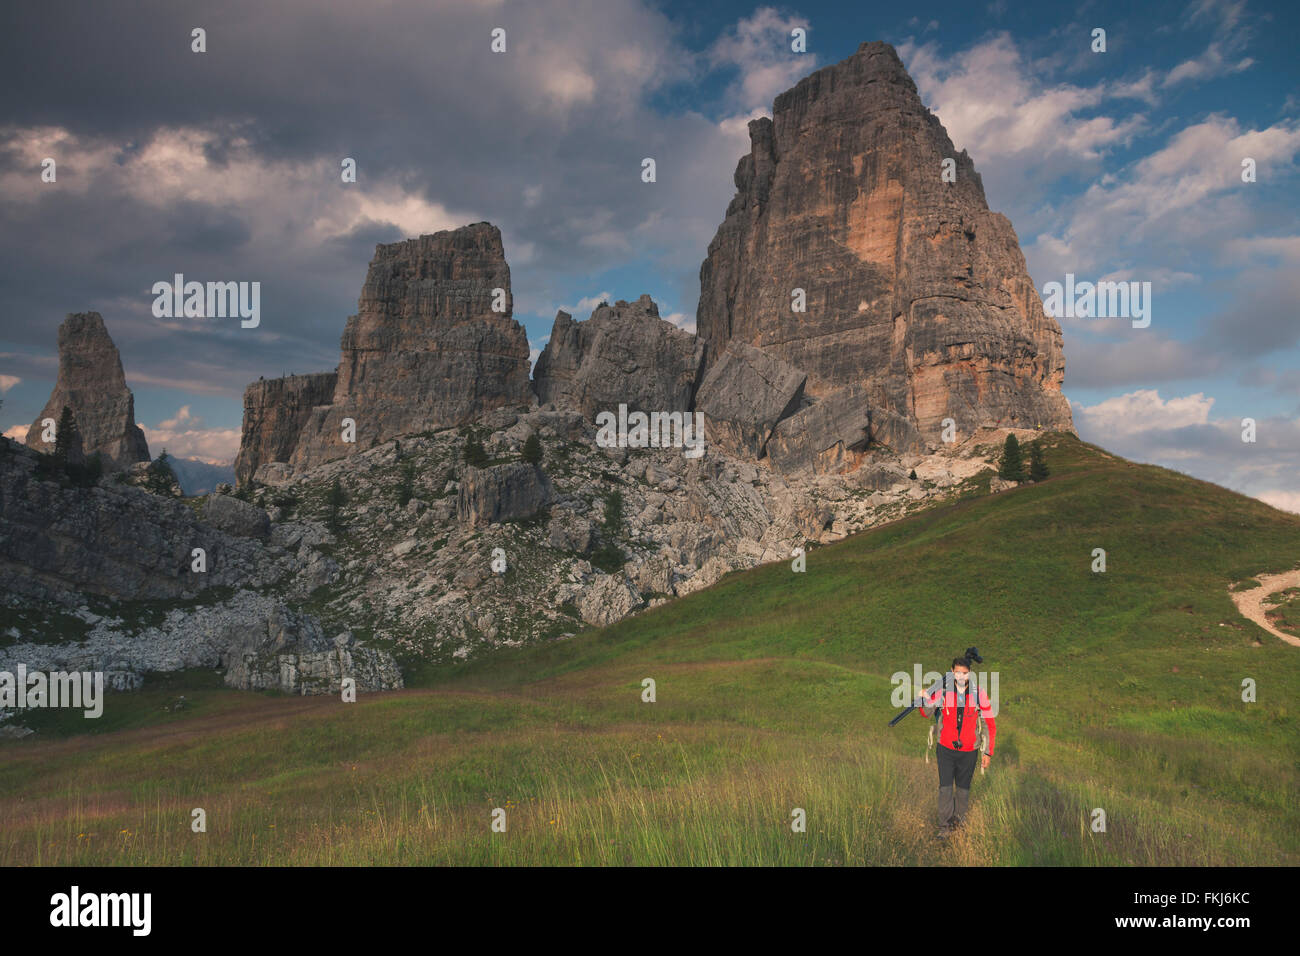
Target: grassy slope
1118, 691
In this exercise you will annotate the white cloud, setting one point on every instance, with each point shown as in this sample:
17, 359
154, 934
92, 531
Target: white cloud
1170, 196
759, 46
568, 84
1143, 410
7, 382
993, 106
1180, 433
1209, 64
17, 432
176, 165
586, 305
681, 320
1221, 57
1285, 500
184, 436
183, 417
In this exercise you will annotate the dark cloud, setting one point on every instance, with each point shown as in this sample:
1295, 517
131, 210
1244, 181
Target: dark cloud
444, 133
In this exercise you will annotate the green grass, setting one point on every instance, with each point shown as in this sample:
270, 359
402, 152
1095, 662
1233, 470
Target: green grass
1283, 610
1119, 691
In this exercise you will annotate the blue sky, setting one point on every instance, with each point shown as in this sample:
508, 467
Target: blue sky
224, 165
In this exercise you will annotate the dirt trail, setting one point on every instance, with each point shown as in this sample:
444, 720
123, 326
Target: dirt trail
1251, 603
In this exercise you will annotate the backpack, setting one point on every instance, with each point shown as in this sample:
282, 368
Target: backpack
936, 725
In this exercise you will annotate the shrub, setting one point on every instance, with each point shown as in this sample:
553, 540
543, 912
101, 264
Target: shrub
613, 511
608, 557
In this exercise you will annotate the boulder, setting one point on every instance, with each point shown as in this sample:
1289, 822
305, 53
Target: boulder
744, 395
502, 493
828, 435
608, 598
568, 531
293, 655
237, 517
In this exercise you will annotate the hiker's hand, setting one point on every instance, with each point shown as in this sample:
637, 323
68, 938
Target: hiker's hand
986, 761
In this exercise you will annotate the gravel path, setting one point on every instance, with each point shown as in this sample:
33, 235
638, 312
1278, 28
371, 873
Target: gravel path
1251, 603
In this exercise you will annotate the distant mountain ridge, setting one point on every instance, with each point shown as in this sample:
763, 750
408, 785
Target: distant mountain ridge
198, 477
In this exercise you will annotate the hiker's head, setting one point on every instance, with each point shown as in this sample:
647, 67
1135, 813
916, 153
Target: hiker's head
960, 670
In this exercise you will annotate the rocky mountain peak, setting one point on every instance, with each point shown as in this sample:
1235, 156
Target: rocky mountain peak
913, 292
427, 349
91, 382
624, 354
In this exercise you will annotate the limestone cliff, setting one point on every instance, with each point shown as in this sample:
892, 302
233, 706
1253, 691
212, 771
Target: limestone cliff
623, 354
426, 348
275, 411
92, 384
915, 292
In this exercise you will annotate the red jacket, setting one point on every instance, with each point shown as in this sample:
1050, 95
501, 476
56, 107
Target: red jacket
948, 728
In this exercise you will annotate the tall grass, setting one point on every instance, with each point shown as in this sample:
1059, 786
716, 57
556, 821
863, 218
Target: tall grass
1120, 692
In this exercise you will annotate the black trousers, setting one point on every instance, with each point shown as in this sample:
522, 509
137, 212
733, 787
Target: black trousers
956, 766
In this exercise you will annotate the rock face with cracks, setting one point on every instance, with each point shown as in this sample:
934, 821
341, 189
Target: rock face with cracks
913, 289
818, 423
432, 344
92, 384
623, 354
275, 413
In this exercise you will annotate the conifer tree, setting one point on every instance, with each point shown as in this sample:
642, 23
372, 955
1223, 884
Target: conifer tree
1011, 467
475, 454
1037, 465
160, 478
533, 450
66, 439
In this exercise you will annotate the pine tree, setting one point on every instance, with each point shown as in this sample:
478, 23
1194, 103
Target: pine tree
159, 478
1011, 467
337, 498
475, 454
533, 450
613, 511
66, 440
406, 487
1037, 465
609, 556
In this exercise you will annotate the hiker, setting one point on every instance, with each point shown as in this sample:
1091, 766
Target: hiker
963, 705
